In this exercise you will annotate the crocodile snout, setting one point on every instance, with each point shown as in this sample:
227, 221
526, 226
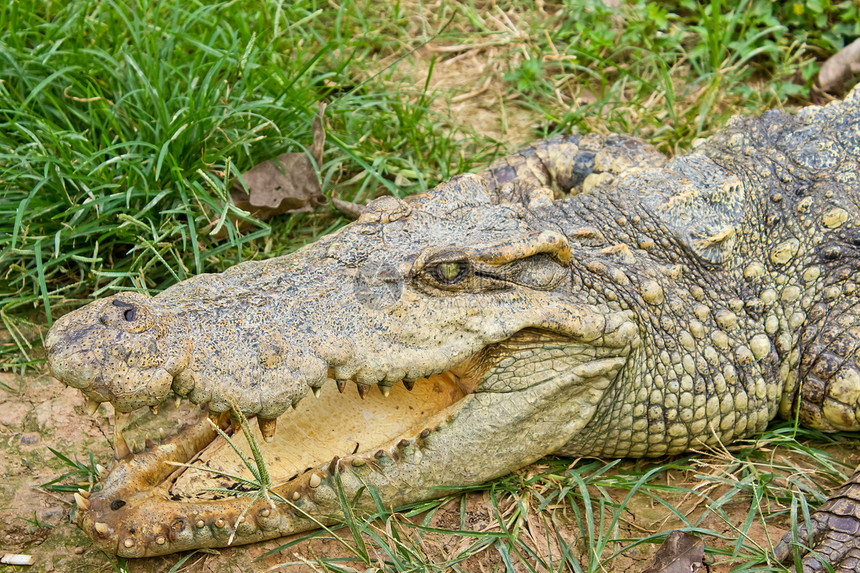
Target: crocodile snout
67, 362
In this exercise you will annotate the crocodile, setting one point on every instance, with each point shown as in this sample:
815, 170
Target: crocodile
587, 296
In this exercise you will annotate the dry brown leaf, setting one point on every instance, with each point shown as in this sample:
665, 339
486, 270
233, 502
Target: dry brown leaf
680, 553
840, 67
286, 184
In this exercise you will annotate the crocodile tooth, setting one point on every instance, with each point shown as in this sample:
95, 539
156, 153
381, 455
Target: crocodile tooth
82, 502
102, 528
341, 385
121, 450
92, 406
267, 427
362, 389
154, 409
101, 470
177, 401
84, 492
409, 384
384, 390
316, 387
214, 416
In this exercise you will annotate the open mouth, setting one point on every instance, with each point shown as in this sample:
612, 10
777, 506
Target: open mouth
503, 407
332, 428
188, 491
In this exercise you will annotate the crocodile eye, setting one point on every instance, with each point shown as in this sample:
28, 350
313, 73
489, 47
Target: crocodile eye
130, 314
451, 272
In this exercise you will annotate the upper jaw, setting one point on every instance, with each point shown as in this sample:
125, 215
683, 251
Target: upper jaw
129, 369
266, 381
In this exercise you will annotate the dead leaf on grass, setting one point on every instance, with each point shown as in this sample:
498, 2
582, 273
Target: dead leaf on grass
680, 553
840, 67
286, 184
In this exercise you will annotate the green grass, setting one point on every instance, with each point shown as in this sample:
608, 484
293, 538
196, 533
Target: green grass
123, 124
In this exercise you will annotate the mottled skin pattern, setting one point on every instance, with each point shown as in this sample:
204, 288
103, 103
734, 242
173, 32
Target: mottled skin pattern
588, 296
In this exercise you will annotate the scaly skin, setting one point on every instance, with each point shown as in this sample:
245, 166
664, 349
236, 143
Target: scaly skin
586, 297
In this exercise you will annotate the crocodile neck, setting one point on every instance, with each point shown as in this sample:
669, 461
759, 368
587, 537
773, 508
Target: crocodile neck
707, 371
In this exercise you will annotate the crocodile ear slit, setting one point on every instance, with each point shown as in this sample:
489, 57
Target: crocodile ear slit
530, 195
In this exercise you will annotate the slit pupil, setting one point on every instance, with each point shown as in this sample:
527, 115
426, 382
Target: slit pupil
451, 272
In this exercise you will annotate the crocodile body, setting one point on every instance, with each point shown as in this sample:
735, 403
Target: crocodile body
585, 297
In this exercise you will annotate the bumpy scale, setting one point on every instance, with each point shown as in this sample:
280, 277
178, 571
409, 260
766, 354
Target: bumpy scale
585, 297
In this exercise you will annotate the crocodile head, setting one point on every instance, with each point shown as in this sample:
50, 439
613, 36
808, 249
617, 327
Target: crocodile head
675, 306
457, 306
